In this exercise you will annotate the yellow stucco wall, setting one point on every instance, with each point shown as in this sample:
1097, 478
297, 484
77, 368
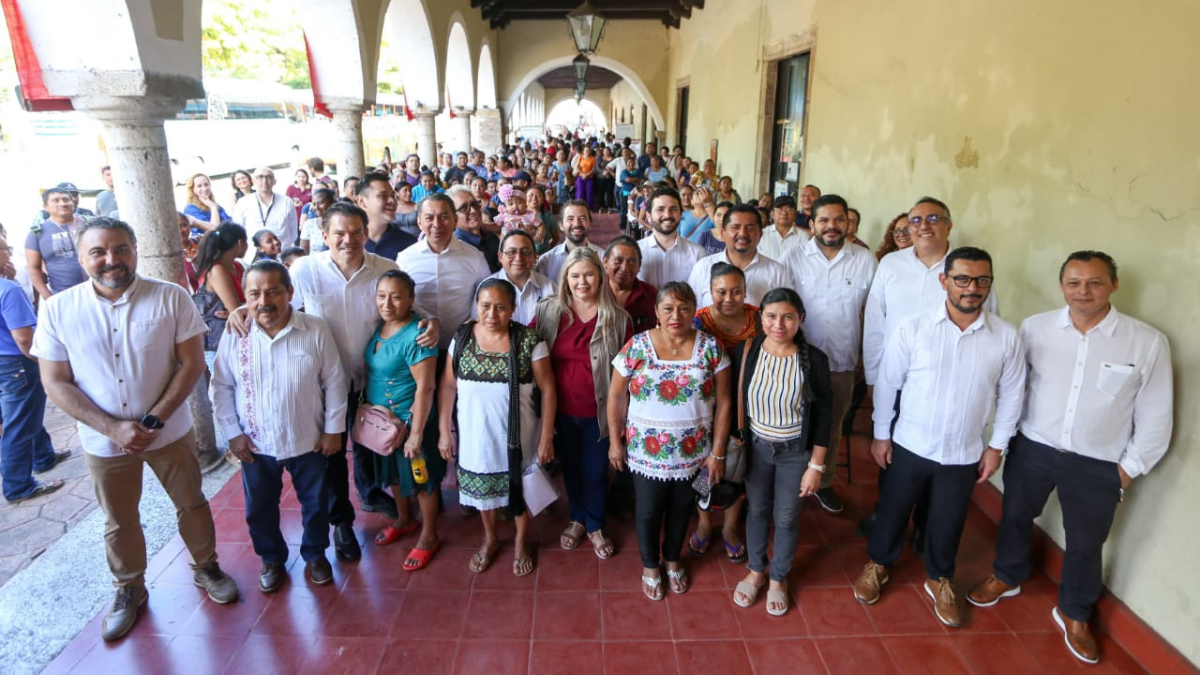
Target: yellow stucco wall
1047, 127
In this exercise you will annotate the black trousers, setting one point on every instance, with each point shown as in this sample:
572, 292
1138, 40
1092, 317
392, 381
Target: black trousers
949, 488
663, 510
920, 510
337, 474
1088, 489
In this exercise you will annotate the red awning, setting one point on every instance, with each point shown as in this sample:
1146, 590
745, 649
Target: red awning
34, 96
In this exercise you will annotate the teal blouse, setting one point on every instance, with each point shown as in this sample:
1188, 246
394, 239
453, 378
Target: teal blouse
389, 378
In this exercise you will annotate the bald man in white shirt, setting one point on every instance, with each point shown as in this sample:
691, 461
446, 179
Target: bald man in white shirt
1098, 413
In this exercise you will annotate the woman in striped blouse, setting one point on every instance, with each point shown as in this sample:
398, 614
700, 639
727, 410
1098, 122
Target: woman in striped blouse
785, 424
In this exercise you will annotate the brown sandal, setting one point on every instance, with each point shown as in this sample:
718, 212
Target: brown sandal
602, 545
571, 536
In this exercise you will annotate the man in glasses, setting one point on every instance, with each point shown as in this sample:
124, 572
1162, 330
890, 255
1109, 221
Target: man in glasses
950, 365
1098, 414
374, 194
517, 256
268, 210
469, 229
576, 225
906, 283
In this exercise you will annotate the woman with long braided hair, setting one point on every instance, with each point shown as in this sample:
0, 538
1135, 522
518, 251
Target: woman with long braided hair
785, 420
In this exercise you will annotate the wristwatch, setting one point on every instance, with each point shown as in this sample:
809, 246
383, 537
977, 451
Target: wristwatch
151, 422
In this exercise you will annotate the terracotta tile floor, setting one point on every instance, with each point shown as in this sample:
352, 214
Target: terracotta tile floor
575, 614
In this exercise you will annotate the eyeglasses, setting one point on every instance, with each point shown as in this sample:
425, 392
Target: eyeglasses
9, 249
931, 219
263, 176
514, 252
964, 281
469, 207
902, 231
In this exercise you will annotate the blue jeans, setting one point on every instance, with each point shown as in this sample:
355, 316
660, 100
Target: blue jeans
25, 446
585, 468
262, 481
773, 492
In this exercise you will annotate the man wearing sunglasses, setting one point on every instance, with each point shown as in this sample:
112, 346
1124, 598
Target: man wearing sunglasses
907, 283
469, 228
950, 365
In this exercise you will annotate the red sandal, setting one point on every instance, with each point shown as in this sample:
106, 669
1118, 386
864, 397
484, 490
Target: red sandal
390, 534
422, 556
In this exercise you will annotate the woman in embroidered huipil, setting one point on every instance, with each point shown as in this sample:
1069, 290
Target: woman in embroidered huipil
669, 406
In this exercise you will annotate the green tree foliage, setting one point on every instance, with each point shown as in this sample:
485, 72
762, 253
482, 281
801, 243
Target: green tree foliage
254, 39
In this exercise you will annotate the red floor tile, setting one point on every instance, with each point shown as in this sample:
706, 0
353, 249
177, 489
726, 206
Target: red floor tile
622, 658
856, 656
427, 657
345, 656
486, 656
633, 616
431, 615
567, 658
718, 657
785, 656
703, 615
926, 655
578, 614
499, 615
573, 615
996, 654
833, 612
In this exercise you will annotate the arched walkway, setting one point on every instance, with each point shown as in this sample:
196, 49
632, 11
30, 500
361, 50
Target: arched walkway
616, 66
486, 96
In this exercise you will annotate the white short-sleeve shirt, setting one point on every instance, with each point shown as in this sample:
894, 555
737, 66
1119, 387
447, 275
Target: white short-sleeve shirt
122, 353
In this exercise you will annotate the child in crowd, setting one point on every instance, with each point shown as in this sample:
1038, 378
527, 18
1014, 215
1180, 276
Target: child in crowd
267, 245
289, 255
516, 215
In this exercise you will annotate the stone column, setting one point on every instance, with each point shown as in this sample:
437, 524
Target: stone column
462, 123
347, 125
426, 137
490, 130
137, 149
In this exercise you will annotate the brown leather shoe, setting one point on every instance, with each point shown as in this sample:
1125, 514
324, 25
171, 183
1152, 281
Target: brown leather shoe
1078, 637
870, 583
945, 604
988, 593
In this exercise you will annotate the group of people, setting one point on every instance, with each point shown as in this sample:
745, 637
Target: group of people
641, 368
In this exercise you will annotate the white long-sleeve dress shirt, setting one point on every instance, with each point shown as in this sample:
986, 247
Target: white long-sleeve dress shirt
762, 275
903, 286
660, 265
834, 293
282, 393
1106, 394
445, 281
950, 380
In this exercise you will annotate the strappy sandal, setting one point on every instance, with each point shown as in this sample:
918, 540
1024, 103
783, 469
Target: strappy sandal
678, 579
747, 590
698, 546
481, 561
602, 545
652, 587
571, 535
522, 566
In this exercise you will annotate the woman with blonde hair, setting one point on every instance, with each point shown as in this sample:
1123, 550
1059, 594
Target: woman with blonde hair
202, 211
585, 327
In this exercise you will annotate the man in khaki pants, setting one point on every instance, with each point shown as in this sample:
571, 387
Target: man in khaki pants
121, 354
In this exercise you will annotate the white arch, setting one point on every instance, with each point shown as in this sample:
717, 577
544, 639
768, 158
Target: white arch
460, 81
603, 62
486, 81
407, 25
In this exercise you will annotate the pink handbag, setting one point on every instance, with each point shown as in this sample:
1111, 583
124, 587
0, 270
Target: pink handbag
378, 429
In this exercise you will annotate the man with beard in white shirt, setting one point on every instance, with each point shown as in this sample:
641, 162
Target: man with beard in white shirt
950, 365
907, 282
666, 256
576, 224
833, 280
